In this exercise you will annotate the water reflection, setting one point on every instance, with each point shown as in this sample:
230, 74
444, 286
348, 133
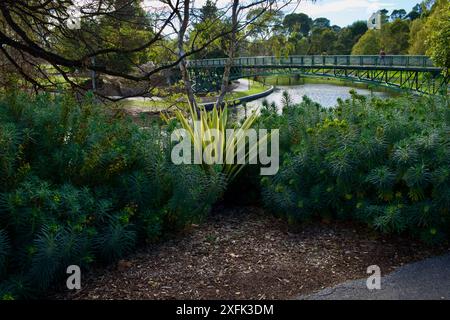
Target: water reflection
325, 94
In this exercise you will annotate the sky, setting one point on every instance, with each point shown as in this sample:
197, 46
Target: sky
344, 12
339, 12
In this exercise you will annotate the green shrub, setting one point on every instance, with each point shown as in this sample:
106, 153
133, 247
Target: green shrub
4, 251
383, 162
81, 184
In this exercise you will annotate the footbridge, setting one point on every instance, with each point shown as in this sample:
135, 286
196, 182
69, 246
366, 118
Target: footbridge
416, 73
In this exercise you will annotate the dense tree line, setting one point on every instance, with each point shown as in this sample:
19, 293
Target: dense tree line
423, 31
298, 34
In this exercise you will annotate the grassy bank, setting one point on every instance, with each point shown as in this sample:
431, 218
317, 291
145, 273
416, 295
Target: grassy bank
154, 105
255, 87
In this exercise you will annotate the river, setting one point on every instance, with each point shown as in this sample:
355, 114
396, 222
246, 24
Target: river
325, 94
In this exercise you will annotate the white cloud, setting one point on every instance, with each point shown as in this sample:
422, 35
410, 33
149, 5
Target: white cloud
323, 8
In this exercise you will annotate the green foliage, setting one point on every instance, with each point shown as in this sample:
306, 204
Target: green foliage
299, 22
83, 184
195, 191
206, 33
394, 37
382, 162
207, 132
128, 27
298, 34
115, 240
439, 39
368, 44
347, 37
4, 251
418, 35
321, 39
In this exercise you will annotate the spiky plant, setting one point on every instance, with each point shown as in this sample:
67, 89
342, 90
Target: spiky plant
199, 126
4, 252
115, 240
80, 183
384, 162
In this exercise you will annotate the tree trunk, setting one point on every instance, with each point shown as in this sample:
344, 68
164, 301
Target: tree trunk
231, 54
184, 21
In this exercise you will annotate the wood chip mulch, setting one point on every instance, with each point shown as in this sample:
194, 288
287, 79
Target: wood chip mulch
243, 253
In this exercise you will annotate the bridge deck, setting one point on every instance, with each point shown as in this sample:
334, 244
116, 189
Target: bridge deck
411, 63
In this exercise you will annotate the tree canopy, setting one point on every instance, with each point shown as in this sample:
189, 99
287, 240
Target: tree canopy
423, 31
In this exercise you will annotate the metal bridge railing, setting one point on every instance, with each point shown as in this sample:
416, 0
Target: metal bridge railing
311, 61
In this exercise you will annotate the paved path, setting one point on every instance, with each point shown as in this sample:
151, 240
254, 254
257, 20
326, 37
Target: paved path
424, 280
242, 85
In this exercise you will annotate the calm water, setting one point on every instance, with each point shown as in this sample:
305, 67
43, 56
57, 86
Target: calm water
325, 94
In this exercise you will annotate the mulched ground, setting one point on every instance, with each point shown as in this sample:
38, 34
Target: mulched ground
242, 253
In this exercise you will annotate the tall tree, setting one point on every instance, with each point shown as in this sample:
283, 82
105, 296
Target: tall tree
368, 44
126, 27
231, 53
438, 42
394, 37
398, 14
109, 31
321, 23
418, 34
209, 11
415, 12
384, 16
358, 28
322, 40
420, 28
269, 23
208, 26
297, 22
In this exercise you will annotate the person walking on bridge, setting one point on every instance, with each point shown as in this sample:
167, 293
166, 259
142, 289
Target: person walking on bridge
382, 56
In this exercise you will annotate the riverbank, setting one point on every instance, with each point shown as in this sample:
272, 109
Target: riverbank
243, 90
238, 97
